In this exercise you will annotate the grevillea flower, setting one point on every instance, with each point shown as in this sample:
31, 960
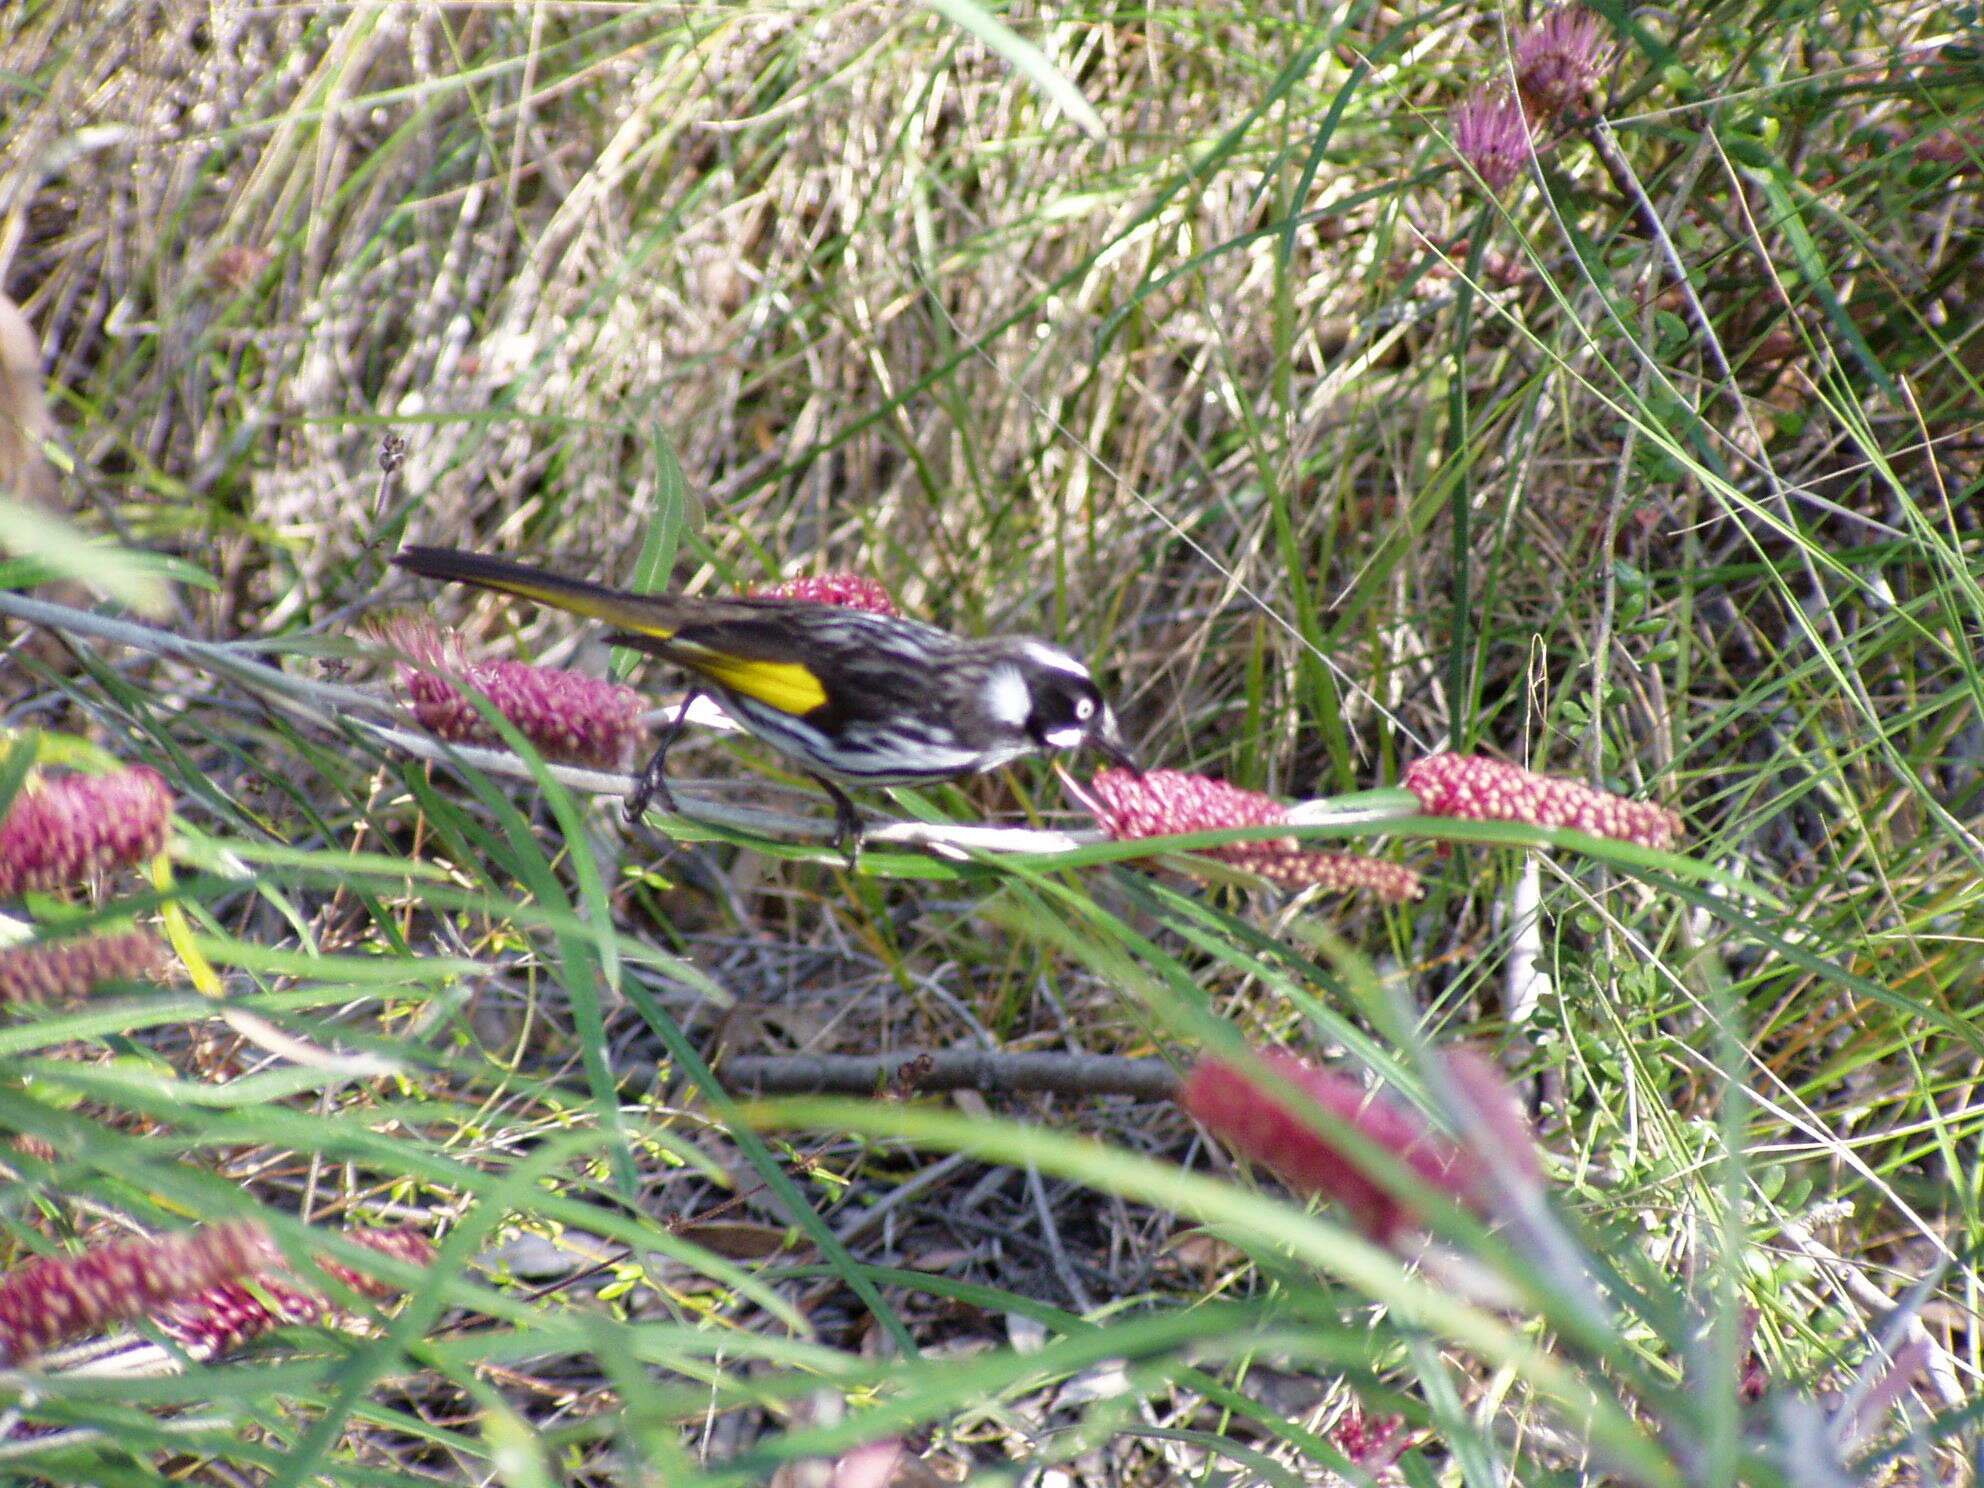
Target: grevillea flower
1169, 803
1474, 788
403, 1244
228, 1315
1263, 1127
1558, 59
60, 1297
1493, 1126
68, 970
1370, 1442
569, 716
68, 829
852, 591
1491, 133
223, 1317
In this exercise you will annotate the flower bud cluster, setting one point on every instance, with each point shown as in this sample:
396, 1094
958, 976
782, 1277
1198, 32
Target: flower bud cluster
1475, 788
1169, 803
570, 717
850, 591
62, 1297
1265, 1127
68, 970
195, 1285
1557, 62
228, 1315
1480, 1170
68, 829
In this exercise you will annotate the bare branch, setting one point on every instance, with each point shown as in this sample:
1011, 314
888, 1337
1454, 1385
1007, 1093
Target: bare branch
988, 1071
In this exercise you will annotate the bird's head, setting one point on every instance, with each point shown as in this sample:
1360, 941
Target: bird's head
1051, 698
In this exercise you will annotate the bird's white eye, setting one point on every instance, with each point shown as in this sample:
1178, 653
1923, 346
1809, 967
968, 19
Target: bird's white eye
1084, 709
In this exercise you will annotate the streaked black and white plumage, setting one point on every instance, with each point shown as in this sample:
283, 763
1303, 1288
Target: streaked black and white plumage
853, 696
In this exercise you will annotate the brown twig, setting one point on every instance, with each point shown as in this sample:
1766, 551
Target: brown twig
987, 1071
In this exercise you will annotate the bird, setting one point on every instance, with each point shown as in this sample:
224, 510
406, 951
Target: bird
853, 696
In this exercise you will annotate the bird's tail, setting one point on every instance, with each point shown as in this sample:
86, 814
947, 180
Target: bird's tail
638, 614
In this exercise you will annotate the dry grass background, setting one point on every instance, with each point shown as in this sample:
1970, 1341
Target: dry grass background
1201, 398
281, 233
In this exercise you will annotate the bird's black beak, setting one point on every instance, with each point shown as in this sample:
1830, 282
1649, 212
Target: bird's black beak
1107, 740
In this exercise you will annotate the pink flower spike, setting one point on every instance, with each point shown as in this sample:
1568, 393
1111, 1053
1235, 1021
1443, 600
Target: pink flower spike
66, 830
1339, 872
1491, 133
570, 717
403, 1244
1170, 803
1255, 1123
1558, 60
230, 1315
47, 1301
1471, 787
69, 970
1370, 1442
850, 591
1494, 1129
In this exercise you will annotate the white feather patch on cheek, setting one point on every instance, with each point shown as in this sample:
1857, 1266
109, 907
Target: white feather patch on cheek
1065, 738
1006, 697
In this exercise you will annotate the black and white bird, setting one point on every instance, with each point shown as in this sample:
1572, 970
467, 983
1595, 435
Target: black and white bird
853, 696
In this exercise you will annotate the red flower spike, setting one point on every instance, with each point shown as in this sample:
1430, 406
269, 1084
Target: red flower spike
227, 1316
1471, 787
1392, 882
1254, 1122
1558, 60
1370, 1442
1494, 1127
1491, 133
69, 970
50, 1300
570, 717
404, 1244
66, 830
1169, 803
850, 591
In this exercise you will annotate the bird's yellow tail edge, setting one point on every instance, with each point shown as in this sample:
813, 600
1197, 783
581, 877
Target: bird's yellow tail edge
628, 611
789, 686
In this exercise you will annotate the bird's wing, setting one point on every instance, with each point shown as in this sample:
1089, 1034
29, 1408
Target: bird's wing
737, 644
742, 656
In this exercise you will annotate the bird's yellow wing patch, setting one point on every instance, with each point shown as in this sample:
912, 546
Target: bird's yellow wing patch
784, 685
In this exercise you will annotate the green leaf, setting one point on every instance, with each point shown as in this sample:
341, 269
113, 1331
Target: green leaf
28, 531
1026, 59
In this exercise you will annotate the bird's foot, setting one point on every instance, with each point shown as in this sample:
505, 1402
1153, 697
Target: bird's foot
652, 788
848, 827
